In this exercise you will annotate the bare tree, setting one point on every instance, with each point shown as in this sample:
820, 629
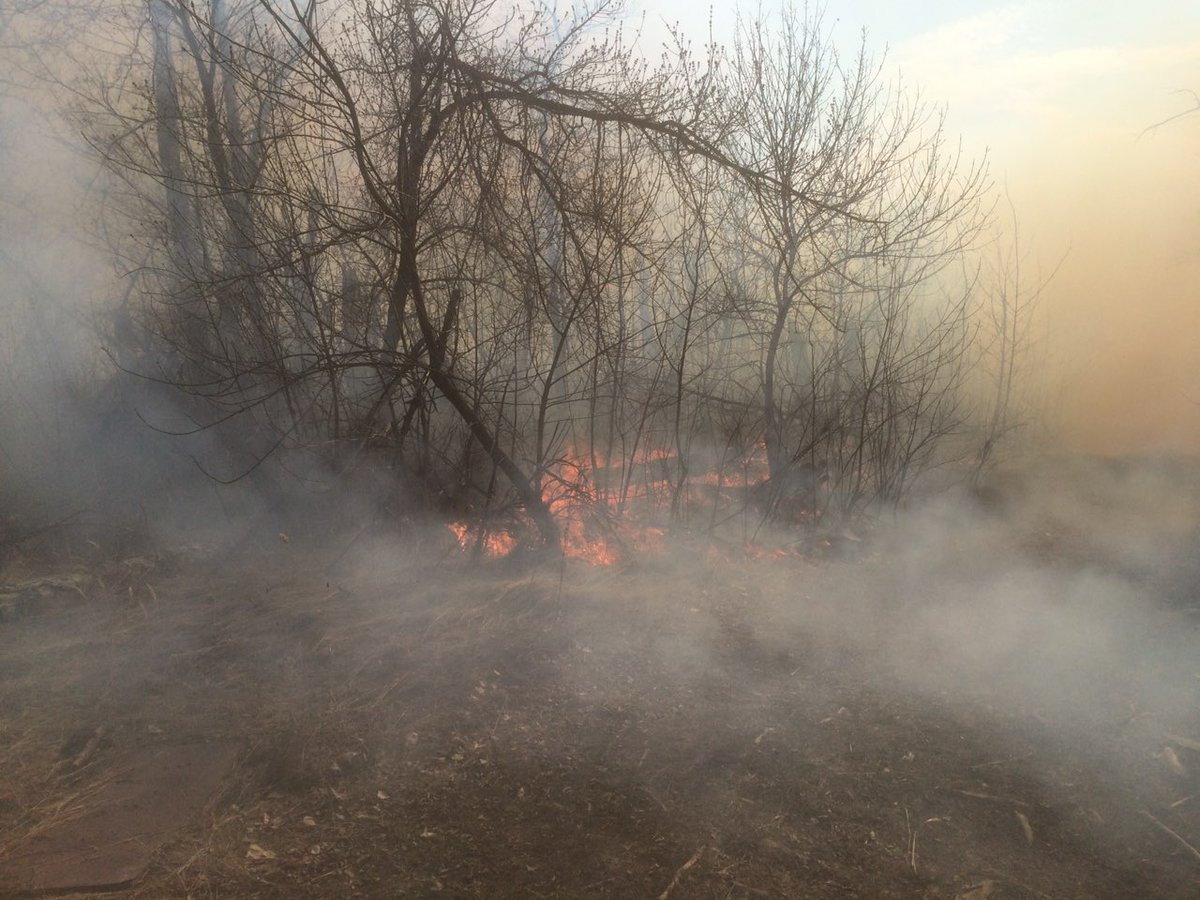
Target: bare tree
484, 241
1011, 303
843, 275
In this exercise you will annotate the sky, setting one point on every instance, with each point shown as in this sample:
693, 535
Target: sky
1062, 96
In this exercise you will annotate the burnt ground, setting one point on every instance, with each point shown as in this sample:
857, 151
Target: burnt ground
890, 722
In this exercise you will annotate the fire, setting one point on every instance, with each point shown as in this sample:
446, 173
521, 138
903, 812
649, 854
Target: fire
496, 544
586, 497
570, 494
603, 508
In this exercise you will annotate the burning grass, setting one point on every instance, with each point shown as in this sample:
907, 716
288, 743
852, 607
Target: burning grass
610, 511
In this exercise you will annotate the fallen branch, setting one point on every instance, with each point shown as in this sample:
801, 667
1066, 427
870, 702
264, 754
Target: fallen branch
1172, 833
679, 872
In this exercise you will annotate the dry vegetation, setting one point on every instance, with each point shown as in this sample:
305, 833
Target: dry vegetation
720, 322
983, 707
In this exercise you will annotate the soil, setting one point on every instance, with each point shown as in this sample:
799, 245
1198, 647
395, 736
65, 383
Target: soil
414, 725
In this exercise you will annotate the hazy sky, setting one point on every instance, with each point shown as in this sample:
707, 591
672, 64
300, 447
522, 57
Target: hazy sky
1060, 95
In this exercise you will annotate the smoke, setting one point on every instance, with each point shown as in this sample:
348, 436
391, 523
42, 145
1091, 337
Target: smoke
1123, 307
1053, 619
82, 443
52, 281
1067, 102
1050, 614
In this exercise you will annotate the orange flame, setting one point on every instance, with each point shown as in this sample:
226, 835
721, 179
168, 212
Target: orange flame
570, 494
597, 504
496, 544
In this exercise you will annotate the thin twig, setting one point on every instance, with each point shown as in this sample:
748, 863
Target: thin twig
1000, 762
912, 841
981, 796
1172, 833
1178, 115
679, 872
649, 793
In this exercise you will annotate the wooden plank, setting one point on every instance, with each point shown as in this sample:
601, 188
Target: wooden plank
145, 797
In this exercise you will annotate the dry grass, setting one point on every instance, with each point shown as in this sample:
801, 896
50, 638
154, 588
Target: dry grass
662, 730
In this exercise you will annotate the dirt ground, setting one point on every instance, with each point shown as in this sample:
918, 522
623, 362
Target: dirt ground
855, 722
